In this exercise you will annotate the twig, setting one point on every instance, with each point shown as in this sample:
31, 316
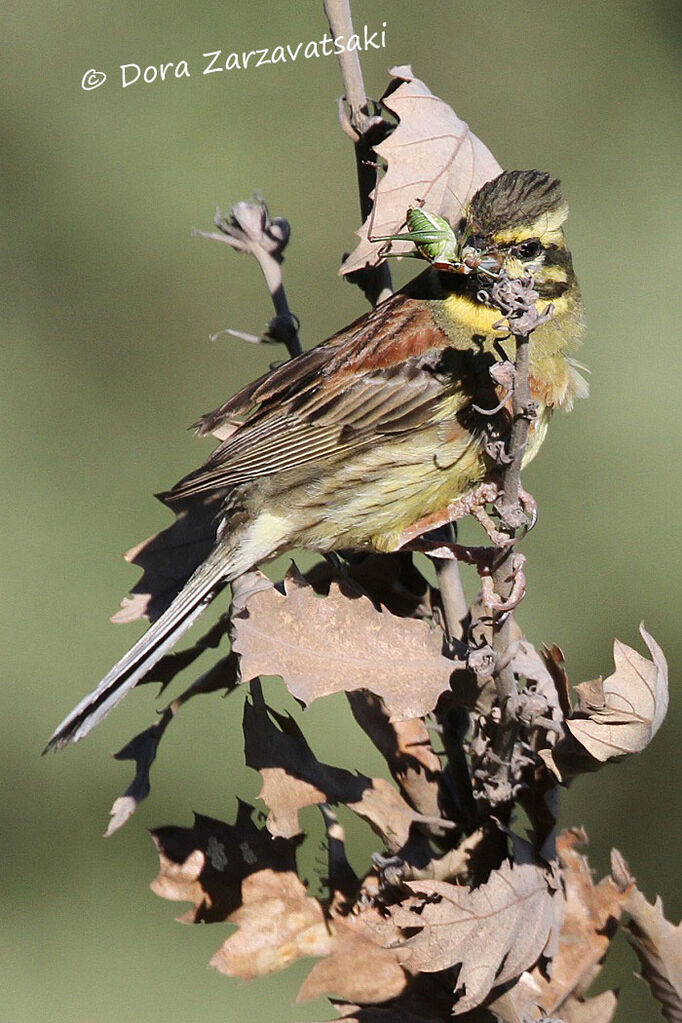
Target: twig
516, 299
249, 228
366, 130
452, 595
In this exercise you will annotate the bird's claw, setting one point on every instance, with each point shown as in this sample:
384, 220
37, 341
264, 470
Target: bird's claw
481, 495
530, 507
497, 537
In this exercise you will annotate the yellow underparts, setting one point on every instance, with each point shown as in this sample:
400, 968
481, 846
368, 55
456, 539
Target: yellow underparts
481, 319
368, 499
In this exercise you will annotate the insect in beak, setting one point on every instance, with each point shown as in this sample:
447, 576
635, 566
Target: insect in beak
438, 243
472, 261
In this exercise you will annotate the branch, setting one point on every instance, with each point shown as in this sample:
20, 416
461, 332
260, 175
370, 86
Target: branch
366, 130
249, 228
516, 299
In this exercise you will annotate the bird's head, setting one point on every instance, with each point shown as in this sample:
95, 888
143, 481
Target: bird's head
515, 222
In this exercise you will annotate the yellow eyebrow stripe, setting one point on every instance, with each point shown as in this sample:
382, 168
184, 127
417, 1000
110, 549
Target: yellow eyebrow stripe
547, 228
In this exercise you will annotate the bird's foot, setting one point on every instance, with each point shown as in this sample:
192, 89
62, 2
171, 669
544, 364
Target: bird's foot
530, 507
472, 503
523, 515
498, 537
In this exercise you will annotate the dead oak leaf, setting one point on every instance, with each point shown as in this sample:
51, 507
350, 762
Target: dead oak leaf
357, 969
294, 778
625, 711
432, 157
600, 1009
279, 923
590, 918
617, 716
207, 863
495, 931
338, 643
407, 750
657, 942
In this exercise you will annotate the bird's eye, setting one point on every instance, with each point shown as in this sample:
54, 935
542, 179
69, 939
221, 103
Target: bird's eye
529, 249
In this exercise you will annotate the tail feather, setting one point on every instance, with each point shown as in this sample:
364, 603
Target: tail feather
208, 580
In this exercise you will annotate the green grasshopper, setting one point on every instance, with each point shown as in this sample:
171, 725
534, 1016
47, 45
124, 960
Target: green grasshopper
433, 238
436, 242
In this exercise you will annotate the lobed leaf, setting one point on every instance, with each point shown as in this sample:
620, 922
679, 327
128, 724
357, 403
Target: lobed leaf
432, 156
623, 713
341, 643
293, 778
616, 716
495, 931
590, 917
658, 945
279, 923
207, 863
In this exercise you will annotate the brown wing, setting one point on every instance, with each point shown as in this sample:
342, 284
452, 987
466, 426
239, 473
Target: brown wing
380, 375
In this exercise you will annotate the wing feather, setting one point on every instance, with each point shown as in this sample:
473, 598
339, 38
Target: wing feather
379, 376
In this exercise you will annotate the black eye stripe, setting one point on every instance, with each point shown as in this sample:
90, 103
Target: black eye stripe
529, 249
526, 249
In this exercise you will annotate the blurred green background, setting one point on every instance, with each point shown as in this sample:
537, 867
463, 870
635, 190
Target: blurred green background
108, 309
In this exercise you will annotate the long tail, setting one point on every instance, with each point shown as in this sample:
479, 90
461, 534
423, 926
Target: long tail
208, 580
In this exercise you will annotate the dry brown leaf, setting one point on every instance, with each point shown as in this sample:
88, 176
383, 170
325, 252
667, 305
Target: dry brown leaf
293, 778
518, 1005
427, 999
555, 662
496, 931
590, 918
278, 923
529, 664
634, 703
658, 944
615, 717
356, 969
432, 156
339, 643
600, 1009
207, 863
406, 747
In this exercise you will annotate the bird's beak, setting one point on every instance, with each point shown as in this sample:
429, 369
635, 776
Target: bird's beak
474, 261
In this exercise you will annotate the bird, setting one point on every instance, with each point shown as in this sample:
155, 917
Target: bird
381, 426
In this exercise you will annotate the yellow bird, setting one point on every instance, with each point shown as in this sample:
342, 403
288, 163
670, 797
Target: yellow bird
365, 439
